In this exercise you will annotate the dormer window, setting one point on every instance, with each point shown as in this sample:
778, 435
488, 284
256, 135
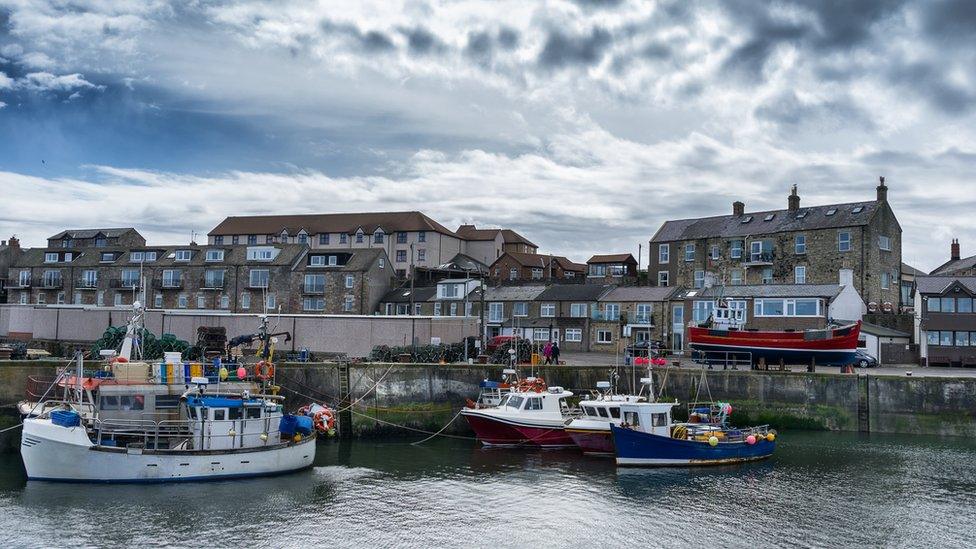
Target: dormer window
333, 261
359, 236
215, 255
68, 256
831, 211
136, 257
316, 261
378, 236
51, 257
108, 257
261, 253
182, 255
150, 256
303, 238
66, 243
101, 241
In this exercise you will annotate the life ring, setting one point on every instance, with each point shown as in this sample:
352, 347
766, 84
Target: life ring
324, 420
264, 370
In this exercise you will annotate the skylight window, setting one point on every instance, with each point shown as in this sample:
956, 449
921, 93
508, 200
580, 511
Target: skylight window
769, 217
747, 219
858, 209
801, 215
832, 211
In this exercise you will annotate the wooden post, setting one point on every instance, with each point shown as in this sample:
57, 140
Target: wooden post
762, 363
813, 365
782, 364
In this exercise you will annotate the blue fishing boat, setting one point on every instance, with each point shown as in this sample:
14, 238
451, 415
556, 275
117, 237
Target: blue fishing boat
648, 437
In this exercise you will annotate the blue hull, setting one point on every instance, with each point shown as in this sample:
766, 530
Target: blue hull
773, 356
643, 449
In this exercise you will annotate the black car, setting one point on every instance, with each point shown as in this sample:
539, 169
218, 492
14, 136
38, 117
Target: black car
864, 360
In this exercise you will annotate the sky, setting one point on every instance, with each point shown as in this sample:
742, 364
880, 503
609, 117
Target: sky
581, 124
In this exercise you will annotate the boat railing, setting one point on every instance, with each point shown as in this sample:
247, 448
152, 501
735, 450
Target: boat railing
152, 431
727, 359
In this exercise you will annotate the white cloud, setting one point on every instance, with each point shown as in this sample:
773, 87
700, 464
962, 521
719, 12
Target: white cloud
45, 81
2, 104
5, 81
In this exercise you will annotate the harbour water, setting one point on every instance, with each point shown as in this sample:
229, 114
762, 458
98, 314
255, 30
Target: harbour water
820, 489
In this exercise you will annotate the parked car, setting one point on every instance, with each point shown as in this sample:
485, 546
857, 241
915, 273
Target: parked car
865, 360
500, 341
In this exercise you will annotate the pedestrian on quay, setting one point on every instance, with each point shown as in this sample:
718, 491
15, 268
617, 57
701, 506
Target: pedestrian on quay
547, 352
555, 353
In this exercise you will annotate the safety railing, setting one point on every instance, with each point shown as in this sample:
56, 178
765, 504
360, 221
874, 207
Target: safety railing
152, 432
726, 359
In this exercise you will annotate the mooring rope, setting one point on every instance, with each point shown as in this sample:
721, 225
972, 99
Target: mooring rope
390, 423
457, 415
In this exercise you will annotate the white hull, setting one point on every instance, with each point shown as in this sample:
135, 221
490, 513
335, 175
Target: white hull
52, 452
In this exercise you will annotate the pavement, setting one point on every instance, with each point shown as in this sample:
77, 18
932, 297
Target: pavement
609, 359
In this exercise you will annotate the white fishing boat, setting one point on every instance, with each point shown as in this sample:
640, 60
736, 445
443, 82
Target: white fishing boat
139, 423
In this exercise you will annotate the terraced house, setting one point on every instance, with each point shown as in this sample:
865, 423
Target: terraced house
796, 245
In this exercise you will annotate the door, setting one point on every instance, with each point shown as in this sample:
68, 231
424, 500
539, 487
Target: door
678, 329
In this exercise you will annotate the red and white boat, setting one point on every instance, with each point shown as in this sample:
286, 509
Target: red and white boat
531, 415
724, 337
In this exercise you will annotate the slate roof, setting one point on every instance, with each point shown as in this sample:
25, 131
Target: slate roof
512, 237
809, 218
612, 258
638, 294
882, 331
329, 223
362, 259
462, 262
513, 293
470, 232
91, 257
769, 290
402, 295
574, 292
91, 233
542, 260
938, 284
953, 266
908, 269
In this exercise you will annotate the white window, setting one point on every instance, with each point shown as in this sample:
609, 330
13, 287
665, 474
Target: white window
183, 255
884, 243
316, 261
215, 255
540, 334
378, 236
766, 276
359, 236
437, 308
611, 311
313, 304
468, 308
689, 252
348, 303
261, 253
450, 291
701, 310
350, 281
578, 310
663, 256
333, 261
416, 308
736, 250
51, 257
382, 263
662, 278
755, 250
89, 278
41, 298
574, 334
68, 257
136, 257
800, 246
52, 279
24, 298
150, 256
604, 336
421, 254
885, 281
201, 302
314, 283
547, 310
736, 277
454, 309
245, 300
843, 241
171, 278
259, 278
496, 312
118, 299
158, 301
715, 252
513, 273
100, 299
520, 309
644, 313
130, 278
699, 279
24, 279
800, 274
270, 302
60, 298
182, 301
807, 307
536, 273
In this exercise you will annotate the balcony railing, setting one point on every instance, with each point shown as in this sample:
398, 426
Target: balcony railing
18, 283
643, 319
763, 258
602, 315
51, 283
86, 284
168, 284
121, 283
212, 284
313, 289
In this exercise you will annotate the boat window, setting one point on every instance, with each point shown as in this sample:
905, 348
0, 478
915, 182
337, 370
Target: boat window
515, 402
630, 418
563, 406
109, 403
603, 412
615, 412
253, 413
503, 401
659, 420
233, 413
218, 414
132, 402
589, 410
534, 404
193, 413
167, 401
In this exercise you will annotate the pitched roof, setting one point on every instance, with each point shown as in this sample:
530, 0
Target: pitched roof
882, 331
956, 265
513, 293
402, 295
512, 237
908, 269
542, 260
361, 259
89, 257
641, 293
329, 223
611, 258
813, 217
770, 290
574, 292
470, 232
939, 283
462, 262
91, 233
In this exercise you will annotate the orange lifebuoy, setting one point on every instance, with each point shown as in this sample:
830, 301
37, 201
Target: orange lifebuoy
323, 420
264, 370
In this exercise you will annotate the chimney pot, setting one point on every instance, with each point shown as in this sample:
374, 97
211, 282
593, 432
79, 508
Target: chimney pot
954, 250
738, 208
793, 202
882, 190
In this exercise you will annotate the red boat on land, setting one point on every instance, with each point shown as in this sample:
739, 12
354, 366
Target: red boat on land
531, 415
723, 337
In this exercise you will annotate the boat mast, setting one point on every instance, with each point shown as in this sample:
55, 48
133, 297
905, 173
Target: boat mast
131, 345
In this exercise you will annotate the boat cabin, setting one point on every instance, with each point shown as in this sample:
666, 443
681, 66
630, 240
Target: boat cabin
647, 417
225, 423
552, 400
724, 318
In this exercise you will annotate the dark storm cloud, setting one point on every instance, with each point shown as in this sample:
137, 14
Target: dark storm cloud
786, 109
562, 50
951, 20
508, 38
480, 47
370, 42
421, 41
598, 3
894, 158
929, 81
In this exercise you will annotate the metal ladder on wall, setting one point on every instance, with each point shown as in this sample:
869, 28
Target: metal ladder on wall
345, 414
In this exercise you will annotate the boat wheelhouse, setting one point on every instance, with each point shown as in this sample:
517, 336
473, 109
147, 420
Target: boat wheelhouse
532, 415
591, 429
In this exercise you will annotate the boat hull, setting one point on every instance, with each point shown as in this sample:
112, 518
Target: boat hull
825, 347
634, 448
499, 431
593, 441
54, 453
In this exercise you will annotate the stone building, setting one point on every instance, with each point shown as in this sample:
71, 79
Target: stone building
611, 269
629, 314
796, 245
956, 266
340, 281
945, 320
97, 238
514, 268
565, 312
512, 310
9, 253
487, 245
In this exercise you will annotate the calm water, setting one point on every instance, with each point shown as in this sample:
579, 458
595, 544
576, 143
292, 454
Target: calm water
821, 489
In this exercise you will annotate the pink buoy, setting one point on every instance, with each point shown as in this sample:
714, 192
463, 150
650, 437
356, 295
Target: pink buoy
241, 373
751, 439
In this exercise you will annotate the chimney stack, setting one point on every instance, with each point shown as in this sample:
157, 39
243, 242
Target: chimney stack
793, 202
955, 249
14, 242
738, 208
882, 190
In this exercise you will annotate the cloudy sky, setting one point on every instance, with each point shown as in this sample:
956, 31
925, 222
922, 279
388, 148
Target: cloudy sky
583, 124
